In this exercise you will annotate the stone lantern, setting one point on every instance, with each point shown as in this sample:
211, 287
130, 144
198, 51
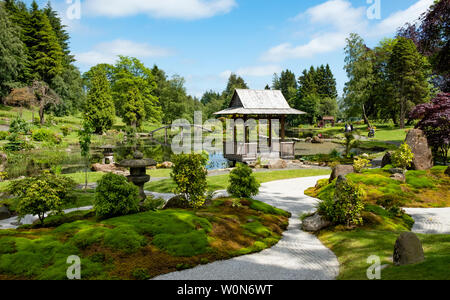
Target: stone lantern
138, 170
108, 154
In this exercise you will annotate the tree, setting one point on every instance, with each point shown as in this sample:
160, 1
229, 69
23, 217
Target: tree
174, 100
234, 82
84, 138
408, 71
243, 183
133, 109
435, 123
99, 107
12, 54
359, 62
432, 40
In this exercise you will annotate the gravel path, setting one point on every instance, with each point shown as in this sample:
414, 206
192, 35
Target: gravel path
298, 255
430, 220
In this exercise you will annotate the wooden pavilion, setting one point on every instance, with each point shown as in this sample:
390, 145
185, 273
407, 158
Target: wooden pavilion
259, 105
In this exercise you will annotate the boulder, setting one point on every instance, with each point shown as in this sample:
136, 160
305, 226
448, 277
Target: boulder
4, 213
106, 168
399, 177
423, 157
408, 250
177, 202
317, 140
308, 140
397, 171
277, 164
165, 165
387, 159
447, 172
341, 170
315, 223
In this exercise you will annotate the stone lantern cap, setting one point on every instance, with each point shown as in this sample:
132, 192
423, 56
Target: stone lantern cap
137, 162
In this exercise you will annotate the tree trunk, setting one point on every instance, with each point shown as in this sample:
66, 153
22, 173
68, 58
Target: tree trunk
402, 113
366, 119
42, 115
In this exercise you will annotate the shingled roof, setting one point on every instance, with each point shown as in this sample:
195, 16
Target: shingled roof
259, 102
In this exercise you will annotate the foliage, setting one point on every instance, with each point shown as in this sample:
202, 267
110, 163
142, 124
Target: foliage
99, 108
41, 194
346, 206
402, 157
152, 204
189, 174
360, 164
19, 125
435, 123
84, 137
243, 183
16, 142
115, 196
45, 135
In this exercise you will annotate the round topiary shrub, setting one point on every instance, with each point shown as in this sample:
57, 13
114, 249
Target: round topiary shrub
242, 182
115, 196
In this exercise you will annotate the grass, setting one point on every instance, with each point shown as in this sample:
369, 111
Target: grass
354, 247
142, 245
220, 182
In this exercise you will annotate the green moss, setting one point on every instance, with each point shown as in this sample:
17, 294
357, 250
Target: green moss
268, 209
186, 245
89, 236
125, 239
258, 229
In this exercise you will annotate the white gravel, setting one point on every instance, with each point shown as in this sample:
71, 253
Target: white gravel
430, 220
298, 255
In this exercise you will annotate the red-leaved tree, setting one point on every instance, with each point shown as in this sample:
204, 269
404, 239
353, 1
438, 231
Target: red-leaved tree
435, 123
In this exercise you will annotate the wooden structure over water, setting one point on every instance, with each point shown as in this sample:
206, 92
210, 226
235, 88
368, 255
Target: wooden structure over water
264, 106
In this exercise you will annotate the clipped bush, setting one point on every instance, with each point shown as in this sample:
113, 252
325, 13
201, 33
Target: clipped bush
346, 206
189, 173
402, 157
41, 194
360, 164
115, 196
243, 183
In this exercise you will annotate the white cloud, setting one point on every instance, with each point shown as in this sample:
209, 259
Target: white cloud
176, 9
254, 71
338, 19
400, 18
108, 52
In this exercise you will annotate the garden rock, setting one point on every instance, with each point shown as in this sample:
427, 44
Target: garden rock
399, 177
408, 250
317, 140
109, 169
308, 140
4, 213
219, 194
447, 172
165, 165
423, 157
177, 202
277, 164
397, 171
387, 159
315, 223
341, 170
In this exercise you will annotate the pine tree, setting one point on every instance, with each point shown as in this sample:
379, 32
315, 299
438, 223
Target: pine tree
234, 82
134, 108
99, 107
12, 54
409, 71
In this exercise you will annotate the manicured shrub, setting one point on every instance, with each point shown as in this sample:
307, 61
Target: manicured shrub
115, 196
45, 135
346, 206
189, 173
41, 194
360, 164
242, 182
402, 157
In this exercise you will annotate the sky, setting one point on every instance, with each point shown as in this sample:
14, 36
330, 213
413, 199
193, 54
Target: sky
205, 41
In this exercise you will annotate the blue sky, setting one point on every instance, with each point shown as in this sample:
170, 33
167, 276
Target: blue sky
205, 40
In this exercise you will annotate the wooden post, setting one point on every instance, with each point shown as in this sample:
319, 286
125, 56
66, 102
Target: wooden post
283, 124
270, 132
235, 137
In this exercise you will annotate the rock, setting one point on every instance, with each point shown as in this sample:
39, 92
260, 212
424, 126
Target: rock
341, 170
397, 171
220, 194
308, 140
423, 157
177, 202
447, 172
408, 250
165, 165
399, 177
109, 169
315, 223
387, 159
277, 164
317, 140
4, 213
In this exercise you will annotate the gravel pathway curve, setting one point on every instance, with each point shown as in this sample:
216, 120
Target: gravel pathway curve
298, 255
430, 220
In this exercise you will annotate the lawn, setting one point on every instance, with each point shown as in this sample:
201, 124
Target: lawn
141, 246
354, 247
220, 182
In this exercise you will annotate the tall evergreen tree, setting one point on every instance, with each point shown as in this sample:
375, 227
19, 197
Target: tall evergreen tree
408, 71
99, 107
234, 82
12, 54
